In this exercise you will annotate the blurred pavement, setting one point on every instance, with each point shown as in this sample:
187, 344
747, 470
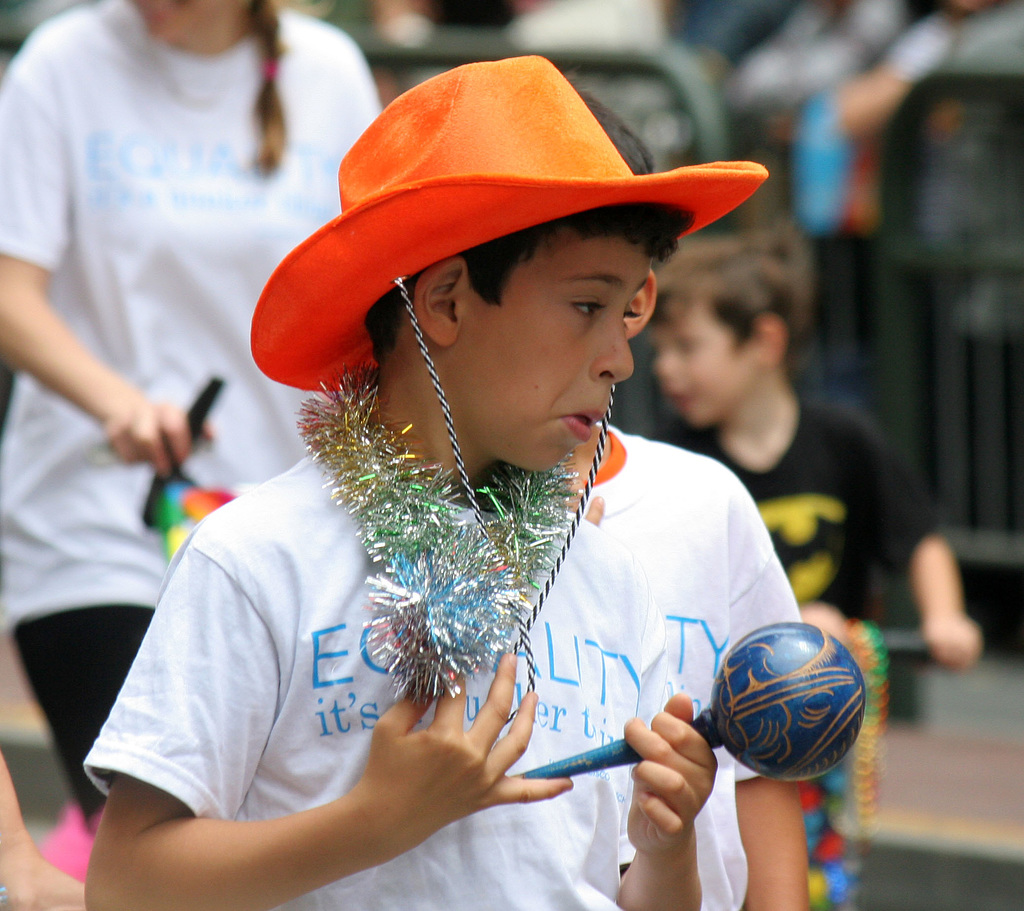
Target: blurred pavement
951, 809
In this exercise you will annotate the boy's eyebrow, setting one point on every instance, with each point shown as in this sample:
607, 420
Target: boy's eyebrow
608, 278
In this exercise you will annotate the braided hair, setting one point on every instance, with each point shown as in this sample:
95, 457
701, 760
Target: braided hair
266, 27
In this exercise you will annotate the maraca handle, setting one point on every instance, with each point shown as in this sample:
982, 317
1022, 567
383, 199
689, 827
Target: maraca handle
616, 753
704, 725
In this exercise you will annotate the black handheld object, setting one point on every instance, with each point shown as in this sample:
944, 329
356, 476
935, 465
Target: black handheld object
196, 418
788, 702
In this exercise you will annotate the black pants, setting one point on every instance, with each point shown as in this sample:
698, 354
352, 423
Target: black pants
76, 661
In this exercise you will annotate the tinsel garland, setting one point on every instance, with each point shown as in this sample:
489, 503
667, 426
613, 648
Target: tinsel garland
451, 594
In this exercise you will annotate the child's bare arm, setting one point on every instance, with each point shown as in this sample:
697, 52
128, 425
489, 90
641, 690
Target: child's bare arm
775, 842
953, 638
152, 854
867, 102
670, 787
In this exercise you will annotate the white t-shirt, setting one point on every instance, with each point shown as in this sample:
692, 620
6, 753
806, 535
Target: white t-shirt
125, 170
923, 47
714, 573
251, 698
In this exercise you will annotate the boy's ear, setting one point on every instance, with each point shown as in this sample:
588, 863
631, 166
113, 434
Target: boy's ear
642, 306
772, 336
437, 290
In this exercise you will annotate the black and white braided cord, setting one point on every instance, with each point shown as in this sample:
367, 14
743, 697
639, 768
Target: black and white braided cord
526, 623
449, 424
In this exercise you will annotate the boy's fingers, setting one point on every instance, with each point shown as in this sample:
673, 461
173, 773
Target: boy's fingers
668, 741
403, 716
684, 742
449, 711
658, 777
528, 790
510, 748
680, 706
648, 744
659, 813
493, 715
595, 510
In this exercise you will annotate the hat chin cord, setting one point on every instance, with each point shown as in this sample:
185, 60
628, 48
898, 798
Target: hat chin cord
526, 622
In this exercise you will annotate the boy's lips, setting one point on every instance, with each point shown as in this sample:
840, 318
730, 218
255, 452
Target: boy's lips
582, 424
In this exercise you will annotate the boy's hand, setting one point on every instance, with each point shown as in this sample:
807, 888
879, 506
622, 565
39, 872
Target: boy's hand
674, 780
418, 781
954, 640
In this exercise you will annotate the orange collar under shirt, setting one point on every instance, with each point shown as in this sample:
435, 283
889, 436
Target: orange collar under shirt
613, 461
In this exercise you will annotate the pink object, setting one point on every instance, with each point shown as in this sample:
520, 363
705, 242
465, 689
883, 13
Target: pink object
69, 843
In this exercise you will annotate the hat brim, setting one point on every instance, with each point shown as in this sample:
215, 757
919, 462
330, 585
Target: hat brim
309, 322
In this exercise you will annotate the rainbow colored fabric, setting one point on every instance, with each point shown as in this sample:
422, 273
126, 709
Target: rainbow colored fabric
832, 858
181, 506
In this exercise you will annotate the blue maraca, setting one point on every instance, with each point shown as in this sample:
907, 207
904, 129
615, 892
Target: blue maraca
787, 701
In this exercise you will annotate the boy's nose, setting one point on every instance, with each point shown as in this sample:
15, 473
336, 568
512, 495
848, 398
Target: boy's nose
616, 362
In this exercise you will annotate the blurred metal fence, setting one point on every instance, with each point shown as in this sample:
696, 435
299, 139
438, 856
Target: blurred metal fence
663, 94
950, 319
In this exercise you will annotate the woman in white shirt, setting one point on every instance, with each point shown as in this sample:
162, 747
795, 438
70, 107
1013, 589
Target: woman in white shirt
157, 159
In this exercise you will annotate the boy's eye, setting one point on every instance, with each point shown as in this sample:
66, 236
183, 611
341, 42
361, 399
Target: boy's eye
588, 307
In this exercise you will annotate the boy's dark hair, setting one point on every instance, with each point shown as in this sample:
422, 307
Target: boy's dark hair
654, 228
741, 277
631, 147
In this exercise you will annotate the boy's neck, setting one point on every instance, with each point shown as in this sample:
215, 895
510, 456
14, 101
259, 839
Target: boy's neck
761, 431
405, 397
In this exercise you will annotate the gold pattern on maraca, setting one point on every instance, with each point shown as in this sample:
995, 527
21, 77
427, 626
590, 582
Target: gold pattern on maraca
794, 693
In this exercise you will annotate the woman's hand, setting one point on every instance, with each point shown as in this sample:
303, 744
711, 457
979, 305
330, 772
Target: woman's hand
36, 339
139, 430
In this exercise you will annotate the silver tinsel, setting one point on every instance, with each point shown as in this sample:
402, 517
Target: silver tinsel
451, 595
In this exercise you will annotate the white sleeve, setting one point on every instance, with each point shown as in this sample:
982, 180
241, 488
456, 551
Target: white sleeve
922, 48
34, 167
763, 594
194, 714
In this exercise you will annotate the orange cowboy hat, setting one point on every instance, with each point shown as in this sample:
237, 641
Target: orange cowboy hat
472, 154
